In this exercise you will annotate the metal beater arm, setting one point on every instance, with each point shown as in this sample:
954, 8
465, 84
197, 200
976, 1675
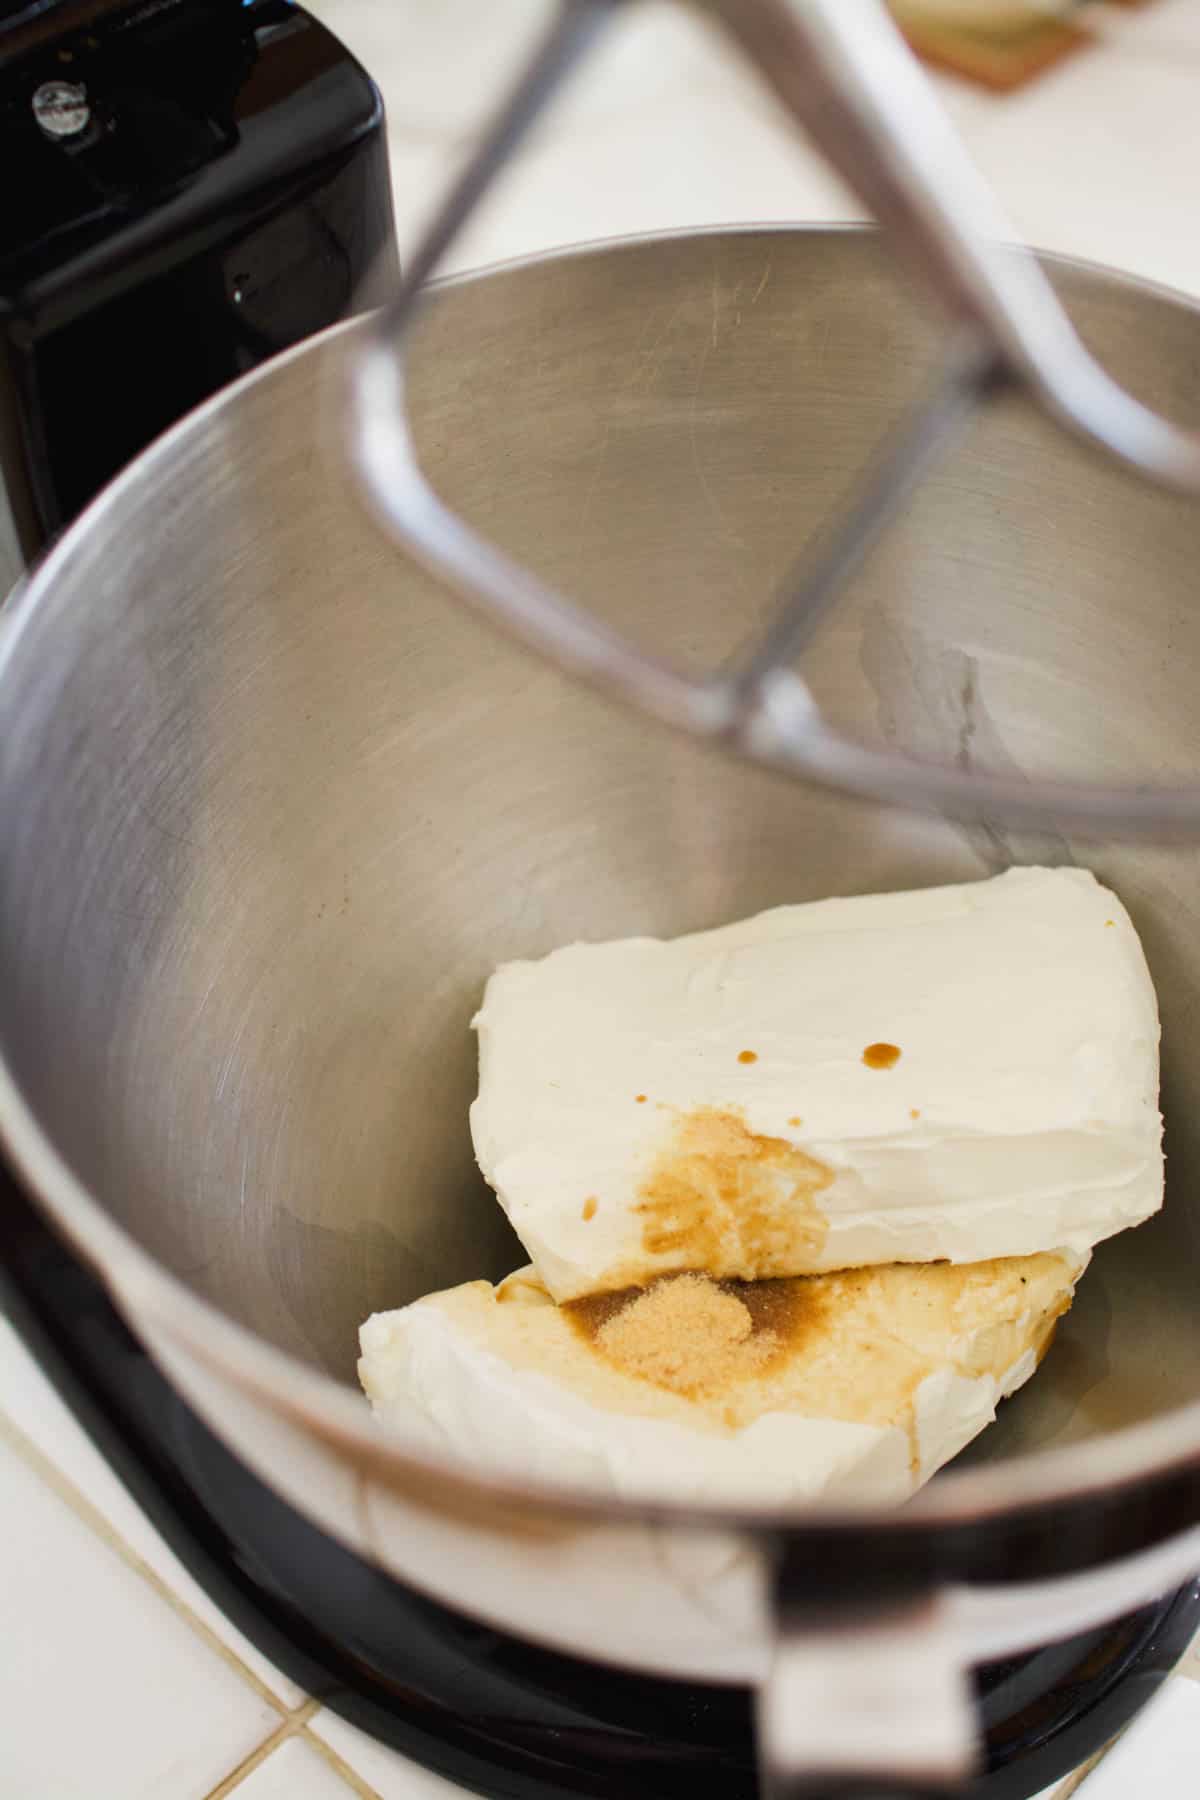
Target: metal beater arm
844, 73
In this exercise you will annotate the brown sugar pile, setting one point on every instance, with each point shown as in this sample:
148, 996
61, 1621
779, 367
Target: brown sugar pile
687, 1334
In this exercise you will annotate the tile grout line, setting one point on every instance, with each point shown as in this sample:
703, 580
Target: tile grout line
1072, 1784
350, 1776
103, 1528
292, 1726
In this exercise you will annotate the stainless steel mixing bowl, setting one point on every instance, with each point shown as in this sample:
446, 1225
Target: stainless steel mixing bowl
271, 808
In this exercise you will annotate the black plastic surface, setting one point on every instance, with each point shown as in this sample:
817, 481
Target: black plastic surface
228, 196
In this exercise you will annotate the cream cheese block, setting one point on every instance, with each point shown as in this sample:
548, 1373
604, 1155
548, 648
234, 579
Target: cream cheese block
854, 1386
960, 1072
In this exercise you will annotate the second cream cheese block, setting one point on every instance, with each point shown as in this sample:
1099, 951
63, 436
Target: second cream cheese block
960, 1072
853, 1387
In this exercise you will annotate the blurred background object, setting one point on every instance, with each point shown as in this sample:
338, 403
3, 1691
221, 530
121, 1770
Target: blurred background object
999, 43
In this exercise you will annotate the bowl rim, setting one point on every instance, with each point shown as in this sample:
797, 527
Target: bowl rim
1119, 1470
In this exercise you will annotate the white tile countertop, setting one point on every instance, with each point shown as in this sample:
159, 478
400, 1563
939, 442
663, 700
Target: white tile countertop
119, 1679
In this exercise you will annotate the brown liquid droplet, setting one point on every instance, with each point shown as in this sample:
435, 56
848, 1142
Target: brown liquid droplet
640, 1098
747, 1056
589, 1208
723, 1199
881, 1056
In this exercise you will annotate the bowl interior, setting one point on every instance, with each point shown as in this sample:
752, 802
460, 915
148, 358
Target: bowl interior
272, 806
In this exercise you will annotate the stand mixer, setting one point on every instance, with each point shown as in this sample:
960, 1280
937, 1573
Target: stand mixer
281, 862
